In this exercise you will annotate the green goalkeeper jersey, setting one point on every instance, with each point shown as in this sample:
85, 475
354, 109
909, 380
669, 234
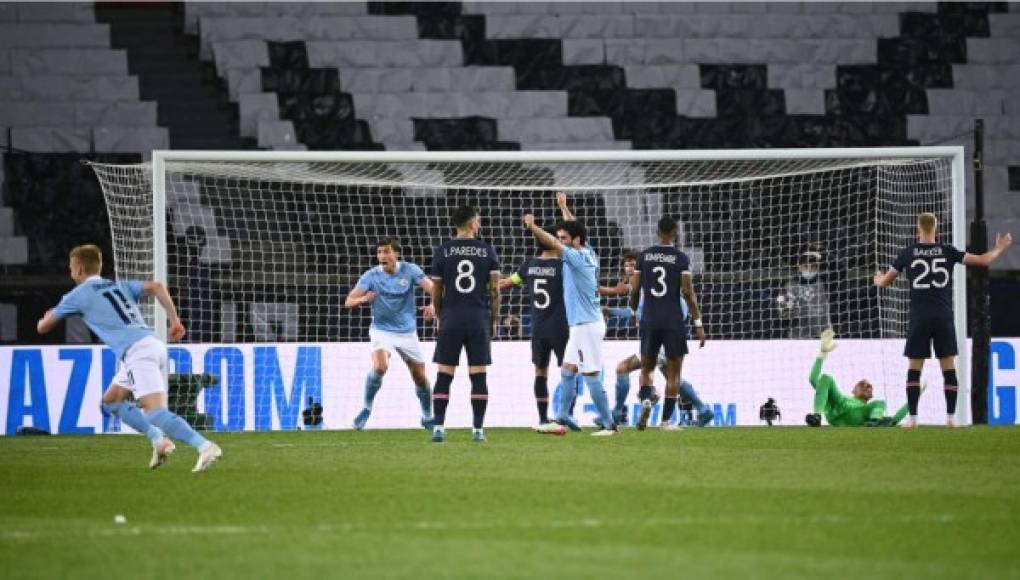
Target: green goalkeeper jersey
841, 410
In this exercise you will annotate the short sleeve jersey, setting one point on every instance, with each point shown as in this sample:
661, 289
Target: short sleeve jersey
661, 269
580, 285
463, 265
393, 309
110, 309
544, 279
929, 267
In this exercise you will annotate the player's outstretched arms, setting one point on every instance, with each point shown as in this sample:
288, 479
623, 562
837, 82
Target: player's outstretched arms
47, 323
544, 237
359, 297
885, 280
158, 290
621, 289
984, 260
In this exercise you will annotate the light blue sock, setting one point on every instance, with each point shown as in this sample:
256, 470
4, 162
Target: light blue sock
133, 417
598, 395
622, 390
372, 384
567, 390
554, 400
687, 390
177, 428
425, 399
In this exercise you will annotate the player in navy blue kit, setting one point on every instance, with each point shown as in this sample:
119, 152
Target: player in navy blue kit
583, 354
662, 274
389, 288
465, 295
543, 276
110, 309
928, 265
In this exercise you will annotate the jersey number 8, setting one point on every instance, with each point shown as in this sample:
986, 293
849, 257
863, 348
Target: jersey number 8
465, 271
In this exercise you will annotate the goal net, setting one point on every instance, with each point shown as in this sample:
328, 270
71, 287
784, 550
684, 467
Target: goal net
259, 249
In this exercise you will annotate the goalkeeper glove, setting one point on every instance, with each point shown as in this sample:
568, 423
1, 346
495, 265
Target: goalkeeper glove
828, 342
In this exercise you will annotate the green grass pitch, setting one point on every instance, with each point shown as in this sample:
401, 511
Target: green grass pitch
719, 503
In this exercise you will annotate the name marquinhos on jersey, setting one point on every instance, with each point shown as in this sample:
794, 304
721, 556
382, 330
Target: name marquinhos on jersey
542, 271
661, 258
466, 251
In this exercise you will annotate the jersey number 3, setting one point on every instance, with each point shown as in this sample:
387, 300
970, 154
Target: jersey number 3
928, 278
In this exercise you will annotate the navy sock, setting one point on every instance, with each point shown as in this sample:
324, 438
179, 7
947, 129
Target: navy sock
441, 397
479, 399
645, 392
913, 390
951, 388
668, 406
542, 398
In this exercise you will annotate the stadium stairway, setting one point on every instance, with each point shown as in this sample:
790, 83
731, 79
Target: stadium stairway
191, 103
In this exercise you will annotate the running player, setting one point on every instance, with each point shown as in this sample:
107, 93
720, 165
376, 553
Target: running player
389, 288
111, 310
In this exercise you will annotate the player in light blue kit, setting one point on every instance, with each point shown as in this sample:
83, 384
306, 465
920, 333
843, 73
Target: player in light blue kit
587, 328
110, 309
389, 288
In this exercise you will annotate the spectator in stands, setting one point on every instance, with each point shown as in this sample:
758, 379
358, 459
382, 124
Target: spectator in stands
804, 301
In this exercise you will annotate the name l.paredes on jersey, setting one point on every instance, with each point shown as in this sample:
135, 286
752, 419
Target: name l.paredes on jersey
466, 251
661, 258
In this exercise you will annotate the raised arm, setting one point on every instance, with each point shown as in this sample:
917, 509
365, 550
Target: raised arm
984, 260
544, 237
561, 202
159, 291
687, 288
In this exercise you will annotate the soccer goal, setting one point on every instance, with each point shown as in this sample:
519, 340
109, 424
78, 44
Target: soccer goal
260, 248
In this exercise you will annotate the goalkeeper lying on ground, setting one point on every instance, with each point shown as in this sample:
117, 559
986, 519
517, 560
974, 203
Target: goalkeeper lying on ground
841, 410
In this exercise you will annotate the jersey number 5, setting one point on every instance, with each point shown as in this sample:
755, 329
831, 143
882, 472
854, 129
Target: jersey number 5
538, 292
927, 278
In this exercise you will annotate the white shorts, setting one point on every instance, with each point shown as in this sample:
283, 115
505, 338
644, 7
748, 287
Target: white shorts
404, 344
143, 368
584, 347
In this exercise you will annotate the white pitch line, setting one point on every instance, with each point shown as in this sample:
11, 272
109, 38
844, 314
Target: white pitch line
431, 525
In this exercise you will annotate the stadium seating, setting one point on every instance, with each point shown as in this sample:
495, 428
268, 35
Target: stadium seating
502, 76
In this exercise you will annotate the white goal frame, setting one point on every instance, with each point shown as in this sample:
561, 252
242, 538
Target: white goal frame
953, 153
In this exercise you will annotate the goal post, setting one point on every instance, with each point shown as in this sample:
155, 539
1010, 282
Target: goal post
261, 246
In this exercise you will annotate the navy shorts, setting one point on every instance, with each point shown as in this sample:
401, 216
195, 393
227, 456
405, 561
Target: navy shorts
476, 341
925, 333
542, 349
672, 340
